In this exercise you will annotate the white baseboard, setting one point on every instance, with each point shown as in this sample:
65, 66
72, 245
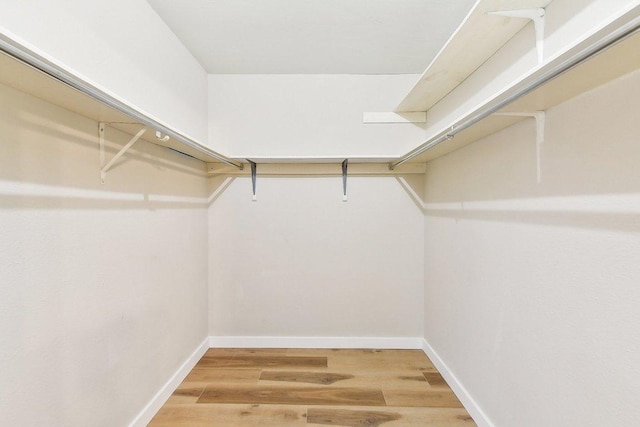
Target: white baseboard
476, 412
145, 416
412, 343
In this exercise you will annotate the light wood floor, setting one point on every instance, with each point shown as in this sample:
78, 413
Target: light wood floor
296, 387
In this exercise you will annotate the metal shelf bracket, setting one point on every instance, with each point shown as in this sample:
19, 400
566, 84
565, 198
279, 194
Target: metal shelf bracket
345, 166
254, 179
536, 15
104, 168
540, 117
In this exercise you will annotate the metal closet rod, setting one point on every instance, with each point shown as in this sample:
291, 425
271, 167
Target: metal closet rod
36, 61
607, 40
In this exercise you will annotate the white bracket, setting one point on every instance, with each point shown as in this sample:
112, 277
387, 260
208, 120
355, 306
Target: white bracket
345, 165
537, 16
160, 137
540, 117
105, 168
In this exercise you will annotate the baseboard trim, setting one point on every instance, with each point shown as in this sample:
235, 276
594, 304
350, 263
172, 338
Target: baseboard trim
145, 416
412, 343
476, 412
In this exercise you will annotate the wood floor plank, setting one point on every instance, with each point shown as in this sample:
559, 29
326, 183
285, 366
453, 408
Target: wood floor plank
379, 360
324, 378
435, 380
428, 398
177, 399
186, 393
209, 375
406, 380
186, 389
293, 396
349, 418
259, 361
406, 417
204, 415
246, 352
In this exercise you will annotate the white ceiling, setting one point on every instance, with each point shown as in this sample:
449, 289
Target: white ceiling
313, 36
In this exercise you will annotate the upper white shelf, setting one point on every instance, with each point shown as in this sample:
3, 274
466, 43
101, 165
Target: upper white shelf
607, 53
30, 73
478, 37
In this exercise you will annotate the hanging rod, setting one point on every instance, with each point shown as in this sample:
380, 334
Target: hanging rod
36, 61
613, 33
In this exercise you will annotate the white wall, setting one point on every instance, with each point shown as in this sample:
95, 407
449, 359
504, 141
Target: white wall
103, 289
308, 115
122, 46
531, 293
300, 262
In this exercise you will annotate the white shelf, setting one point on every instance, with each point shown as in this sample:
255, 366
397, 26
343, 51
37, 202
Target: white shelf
36, 78
476, 39
27, 79
313, 159
605, 59
319, 168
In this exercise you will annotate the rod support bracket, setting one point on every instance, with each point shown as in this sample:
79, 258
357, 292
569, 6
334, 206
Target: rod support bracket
537, 16
345, 166
104, 168
162, 137
451, 133
254, 179
540, 117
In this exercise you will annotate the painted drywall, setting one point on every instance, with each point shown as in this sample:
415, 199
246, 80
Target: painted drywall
103, 290
308, 115
300, 262
121, 46
531, 290
566, 23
